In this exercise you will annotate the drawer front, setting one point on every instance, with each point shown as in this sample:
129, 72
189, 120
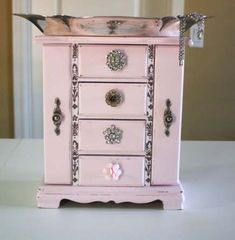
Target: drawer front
111, 171
112, 61
109, 100
111, 137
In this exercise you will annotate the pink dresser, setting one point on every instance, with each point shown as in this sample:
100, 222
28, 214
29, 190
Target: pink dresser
112, 120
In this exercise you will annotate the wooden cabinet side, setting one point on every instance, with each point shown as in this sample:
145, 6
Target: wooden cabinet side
168, 85
56, 84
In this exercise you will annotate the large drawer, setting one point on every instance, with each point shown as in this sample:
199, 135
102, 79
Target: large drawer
111, 137
112, 61
107, 100
111, 171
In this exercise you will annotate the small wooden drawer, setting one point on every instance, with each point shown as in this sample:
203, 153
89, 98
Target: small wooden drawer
111, 171
111, 137
107, 100
112, 61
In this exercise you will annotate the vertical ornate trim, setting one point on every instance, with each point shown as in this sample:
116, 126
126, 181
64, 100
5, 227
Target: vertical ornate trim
74, 107
181, 39
149, 121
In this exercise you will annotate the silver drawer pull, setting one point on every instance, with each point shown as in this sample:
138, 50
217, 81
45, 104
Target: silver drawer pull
113, 135
114, 98
116, 60
168, 117
57, 117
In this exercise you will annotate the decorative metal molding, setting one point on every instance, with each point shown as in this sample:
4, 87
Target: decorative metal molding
186, 21
75, 126
181, 40
168, 117
116, 60
114, 98
113, 135
149, 121
57, 116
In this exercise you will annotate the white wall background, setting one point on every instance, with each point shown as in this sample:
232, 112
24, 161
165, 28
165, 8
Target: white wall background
27, 55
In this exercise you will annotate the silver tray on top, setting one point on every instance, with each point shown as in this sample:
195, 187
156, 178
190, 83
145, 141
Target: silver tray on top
61, 25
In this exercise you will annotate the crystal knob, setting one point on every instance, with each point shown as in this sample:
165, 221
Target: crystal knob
116, 60
113, 98
113, 135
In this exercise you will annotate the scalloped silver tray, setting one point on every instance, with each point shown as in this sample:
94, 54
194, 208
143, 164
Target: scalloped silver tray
113, 25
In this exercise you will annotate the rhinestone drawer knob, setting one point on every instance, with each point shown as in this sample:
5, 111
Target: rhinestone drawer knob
116, 60
113, 98
113, 135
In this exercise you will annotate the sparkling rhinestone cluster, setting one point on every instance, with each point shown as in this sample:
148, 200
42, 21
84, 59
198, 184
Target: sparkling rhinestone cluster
113, 135
116, 60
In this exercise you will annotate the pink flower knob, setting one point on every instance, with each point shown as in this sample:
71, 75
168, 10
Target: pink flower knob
112, 171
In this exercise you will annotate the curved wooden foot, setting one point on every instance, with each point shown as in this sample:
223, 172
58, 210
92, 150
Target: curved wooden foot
50, 196
172, 204
47, 200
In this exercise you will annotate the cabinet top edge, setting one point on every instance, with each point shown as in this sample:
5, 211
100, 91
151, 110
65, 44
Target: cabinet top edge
106, 40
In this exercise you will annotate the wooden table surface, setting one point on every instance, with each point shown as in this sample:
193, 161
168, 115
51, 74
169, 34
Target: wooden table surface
207, 174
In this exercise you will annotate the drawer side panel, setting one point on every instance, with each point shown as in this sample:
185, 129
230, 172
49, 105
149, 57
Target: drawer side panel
169, 85
56, 84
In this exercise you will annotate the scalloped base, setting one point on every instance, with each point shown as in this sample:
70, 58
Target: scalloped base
50, 196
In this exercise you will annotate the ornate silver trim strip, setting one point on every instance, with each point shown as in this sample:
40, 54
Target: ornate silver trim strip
74, 110
149, 121
187, 21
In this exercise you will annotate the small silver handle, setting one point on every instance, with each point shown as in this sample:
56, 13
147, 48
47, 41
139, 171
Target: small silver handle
168, 117
57, 116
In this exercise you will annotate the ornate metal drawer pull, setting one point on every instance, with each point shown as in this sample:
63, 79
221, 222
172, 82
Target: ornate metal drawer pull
114, 98
57, 117
116, 60
113, 135
168, 117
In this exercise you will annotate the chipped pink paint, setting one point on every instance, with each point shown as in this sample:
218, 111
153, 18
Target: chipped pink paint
124, 162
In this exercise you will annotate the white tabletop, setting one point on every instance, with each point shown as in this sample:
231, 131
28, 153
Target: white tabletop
207, 174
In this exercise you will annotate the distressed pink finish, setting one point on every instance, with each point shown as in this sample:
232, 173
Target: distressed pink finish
94, 115
171, 196
133, 105
169, 84
91, 169
94, 65
56, 83
92, 141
